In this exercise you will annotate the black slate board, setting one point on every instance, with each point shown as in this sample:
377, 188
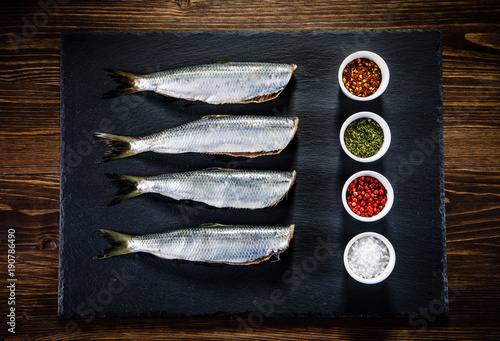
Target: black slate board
309, 279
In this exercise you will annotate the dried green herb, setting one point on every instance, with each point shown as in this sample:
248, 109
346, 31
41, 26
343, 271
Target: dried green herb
364, 137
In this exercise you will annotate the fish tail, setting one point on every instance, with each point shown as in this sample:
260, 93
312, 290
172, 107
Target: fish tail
120, 146
127, 83
127, 187
118, 241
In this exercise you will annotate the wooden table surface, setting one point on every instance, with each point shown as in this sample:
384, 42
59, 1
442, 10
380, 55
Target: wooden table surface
29, 158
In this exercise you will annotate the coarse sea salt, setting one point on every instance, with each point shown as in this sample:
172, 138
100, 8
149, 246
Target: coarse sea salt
368, 257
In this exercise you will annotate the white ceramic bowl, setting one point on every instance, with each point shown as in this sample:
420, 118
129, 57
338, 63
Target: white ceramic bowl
388, 269
389, 192
384, 69
381, 122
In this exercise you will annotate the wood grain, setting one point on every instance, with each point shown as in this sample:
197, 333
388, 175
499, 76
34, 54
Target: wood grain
29, 157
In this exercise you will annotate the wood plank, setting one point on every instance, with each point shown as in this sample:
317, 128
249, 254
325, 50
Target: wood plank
29, 193
29, 129
477, 151
20, 158
275, 11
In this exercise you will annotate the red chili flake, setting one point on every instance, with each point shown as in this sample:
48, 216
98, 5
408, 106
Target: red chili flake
366, 203
362, 77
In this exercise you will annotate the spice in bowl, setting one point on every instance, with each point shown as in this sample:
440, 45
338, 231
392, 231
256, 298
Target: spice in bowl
364, 137
369, 258
362, 77
366, 196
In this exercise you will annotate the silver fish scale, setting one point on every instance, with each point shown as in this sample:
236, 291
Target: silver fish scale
236, 244
220, 82
223, 187
222, 135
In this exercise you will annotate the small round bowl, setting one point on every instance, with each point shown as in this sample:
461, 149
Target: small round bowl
384, 69
381, 122
388, 191
388, 269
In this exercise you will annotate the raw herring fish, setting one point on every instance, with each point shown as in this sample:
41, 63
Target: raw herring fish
216, 83
248, 136
213, 243
250, 189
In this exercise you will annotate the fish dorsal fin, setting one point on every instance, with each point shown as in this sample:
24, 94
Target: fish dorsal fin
219, 169
214, 116
213, 225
